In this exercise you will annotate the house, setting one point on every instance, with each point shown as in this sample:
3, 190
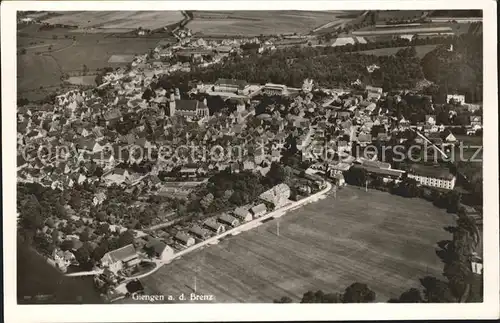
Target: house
386, 174
364, 139
63, 259
368, 106
117, 176
242, 214
184, 239
430, 120
259, 210
158, 249
198, 232
374, 89
120, 258
448, 137
214, 226
476, 121
277, 196
433, 176
228, 220
455, 99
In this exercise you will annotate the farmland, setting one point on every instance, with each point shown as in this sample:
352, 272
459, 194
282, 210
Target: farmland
421, 50
326, 245
116, 20
254, 23
82, 80
52, 53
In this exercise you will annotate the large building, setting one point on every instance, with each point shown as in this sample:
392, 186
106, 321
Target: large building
118, 259
187, 108
433, 177
230, 85
277, 196
275, 89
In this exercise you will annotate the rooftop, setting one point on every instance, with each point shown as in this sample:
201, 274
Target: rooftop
432, 171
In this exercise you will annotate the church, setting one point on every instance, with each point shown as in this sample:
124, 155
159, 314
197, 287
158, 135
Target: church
186, 108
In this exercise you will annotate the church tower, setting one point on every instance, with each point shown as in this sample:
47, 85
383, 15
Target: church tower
177, 94
171, 104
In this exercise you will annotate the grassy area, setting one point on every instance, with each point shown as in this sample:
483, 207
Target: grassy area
326, 245
116, 20
67, 56
387, 15
421, 50
254, 23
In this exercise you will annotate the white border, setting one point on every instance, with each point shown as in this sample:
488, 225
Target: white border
250, 312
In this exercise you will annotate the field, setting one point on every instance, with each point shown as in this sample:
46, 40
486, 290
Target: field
326, 245
68, 55
82, 80
117, 20
387, 15
34, 71
421, 50
254, 23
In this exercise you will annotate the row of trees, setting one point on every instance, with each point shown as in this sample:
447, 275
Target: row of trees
354, 293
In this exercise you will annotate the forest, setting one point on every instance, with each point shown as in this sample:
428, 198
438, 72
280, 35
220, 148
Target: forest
459, 70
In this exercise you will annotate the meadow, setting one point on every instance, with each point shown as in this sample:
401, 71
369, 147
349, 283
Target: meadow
116, 20
255, 23
43, 66
326, 245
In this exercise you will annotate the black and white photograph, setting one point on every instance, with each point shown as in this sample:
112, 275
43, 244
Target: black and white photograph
217, 155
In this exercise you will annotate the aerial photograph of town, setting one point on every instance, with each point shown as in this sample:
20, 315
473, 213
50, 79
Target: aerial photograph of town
249, 156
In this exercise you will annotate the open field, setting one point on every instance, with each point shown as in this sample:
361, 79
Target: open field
254, 23
421, 50
34, 71
326, 245
82, 80
68, 55
117, 20
387, 15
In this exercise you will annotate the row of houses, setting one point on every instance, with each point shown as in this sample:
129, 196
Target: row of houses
218, 225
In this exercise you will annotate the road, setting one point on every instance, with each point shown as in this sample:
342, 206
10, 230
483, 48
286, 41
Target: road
241, 228
252, 224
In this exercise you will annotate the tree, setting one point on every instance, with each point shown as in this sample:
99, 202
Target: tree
278, 174
410, 296
83, 256
358, 293
436, 291
76, 201
125, 238
148, 94
356, 176
320, 297
284, 299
